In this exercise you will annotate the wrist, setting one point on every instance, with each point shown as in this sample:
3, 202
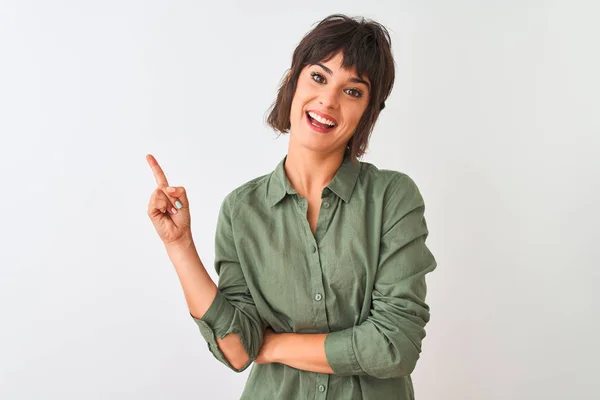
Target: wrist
182, 244
182, 252
276, 347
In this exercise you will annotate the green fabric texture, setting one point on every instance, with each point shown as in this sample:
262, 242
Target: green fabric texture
360, 278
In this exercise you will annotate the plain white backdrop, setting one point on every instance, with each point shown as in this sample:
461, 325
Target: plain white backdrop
494, 114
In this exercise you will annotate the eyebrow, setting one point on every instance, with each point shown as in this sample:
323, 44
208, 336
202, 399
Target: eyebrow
352, 79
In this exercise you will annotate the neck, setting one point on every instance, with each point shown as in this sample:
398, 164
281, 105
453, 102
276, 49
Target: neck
309, 172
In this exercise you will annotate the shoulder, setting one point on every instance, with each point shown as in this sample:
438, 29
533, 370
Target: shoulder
252, 191
395, 186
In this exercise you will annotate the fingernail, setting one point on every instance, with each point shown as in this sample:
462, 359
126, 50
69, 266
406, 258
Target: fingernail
178, 204
173, 210
170, 189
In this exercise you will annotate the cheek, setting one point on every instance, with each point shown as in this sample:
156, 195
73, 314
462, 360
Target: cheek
298, 103
296, 99
354, 118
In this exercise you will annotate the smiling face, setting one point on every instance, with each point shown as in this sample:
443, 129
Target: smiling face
327, 106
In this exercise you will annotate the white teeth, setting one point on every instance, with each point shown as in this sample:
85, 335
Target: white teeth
321, 119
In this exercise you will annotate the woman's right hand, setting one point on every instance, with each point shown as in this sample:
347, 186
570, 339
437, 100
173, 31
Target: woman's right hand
169, 208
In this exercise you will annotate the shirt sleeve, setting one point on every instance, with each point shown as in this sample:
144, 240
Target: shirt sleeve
388, 343
233, 309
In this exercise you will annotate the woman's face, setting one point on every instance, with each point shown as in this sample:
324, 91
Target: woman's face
327, 106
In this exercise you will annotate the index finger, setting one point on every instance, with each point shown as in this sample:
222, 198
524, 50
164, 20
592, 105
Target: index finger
159, 175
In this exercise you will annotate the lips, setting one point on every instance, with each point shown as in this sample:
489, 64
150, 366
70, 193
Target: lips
324, 116
316, 126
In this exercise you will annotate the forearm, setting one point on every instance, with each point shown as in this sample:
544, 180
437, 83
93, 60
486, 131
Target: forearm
200, 291
198, 287
301, 351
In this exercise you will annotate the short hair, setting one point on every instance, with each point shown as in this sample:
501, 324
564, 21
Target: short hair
366, 46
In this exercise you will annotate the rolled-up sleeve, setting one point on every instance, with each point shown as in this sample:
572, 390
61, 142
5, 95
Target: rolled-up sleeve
233, 309
388, 343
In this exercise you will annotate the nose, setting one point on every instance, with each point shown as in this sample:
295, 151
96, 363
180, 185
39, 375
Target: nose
329, 98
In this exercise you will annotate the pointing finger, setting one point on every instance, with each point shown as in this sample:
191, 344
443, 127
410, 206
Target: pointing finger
159, 175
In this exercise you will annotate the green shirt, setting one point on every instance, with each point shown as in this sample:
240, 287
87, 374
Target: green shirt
360, 278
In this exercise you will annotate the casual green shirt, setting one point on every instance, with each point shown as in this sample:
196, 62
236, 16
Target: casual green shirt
360, 278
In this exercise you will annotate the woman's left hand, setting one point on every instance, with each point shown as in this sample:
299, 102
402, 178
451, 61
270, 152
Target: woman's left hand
267, 351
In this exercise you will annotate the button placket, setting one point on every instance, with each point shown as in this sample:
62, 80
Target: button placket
302, 204
322, 387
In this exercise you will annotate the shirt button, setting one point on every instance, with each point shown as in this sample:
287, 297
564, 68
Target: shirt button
326, 204
318, 297
321, 388
313, 249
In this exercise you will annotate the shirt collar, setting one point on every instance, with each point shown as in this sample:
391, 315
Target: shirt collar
342, 183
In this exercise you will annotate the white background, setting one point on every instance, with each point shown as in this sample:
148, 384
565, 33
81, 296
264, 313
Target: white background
494, 114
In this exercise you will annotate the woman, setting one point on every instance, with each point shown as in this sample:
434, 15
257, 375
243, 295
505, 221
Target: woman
322, 262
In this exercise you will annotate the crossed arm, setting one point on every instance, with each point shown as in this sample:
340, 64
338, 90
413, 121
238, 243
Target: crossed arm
300, 351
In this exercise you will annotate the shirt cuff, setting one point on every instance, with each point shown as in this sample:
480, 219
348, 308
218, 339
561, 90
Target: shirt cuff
339, 351
217, 322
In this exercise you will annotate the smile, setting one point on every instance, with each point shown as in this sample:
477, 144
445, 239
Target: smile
319, 122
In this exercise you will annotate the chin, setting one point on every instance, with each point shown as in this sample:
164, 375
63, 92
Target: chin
316, 144
309, 139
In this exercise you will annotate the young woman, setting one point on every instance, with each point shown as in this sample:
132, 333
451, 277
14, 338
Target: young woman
322, 262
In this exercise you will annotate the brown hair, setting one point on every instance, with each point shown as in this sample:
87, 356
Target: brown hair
366, 46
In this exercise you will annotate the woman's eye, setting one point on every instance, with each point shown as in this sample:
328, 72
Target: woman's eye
317, 77
354, 92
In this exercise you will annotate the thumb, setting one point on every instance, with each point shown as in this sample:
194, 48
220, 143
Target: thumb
180, 194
